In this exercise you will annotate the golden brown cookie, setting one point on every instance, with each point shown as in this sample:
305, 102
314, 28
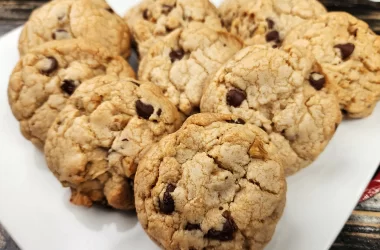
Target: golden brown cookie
214, 184
349, 53
279, 91
91, 20
96, 142
44, 78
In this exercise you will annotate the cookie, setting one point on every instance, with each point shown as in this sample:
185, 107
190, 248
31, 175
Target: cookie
44, 78
69, 19
95, 143
279, 91
214, 184
267, 21
181, 63
153, 19
349, 53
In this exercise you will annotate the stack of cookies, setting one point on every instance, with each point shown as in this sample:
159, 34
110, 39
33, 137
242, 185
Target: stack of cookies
228, 102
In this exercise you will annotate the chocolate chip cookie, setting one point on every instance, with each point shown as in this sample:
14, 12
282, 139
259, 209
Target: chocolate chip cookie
181, 63
95, 143
280, 91
154, 19
44, 79
349, 53
214, 184
68, 19
267, 21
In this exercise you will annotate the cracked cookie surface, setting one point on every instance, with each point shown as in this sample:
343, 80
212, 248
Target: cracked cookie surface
44, 79
214, 184
95, 143
154, 19
349, 53
267, 21
91, 20
181, 63
282, 92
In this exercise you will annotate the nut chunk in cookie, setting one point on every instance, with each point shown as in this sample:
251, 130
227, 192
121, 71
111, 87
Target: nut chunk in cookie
152, 20
96, 142
282, 92
349, 54
92, 20
46, 77
267, 21
181, 63
214, 184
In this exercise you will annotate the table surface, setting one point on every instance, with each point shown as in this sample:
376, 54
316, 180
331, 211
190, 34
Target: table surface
362, 230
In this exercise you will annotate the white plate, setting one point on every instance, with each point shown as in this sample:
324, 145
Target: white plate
37, 213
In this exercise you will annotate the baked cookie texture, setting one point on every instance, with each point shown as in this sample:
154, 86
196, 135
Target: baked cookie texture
154, 19
44, 78
281, 92
92, 20
214, 184
267, 21
181, 63
96, 142
349, 53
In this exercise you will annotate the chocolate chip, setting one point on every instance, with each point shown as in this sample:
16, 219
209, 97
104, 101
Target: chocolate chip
167, 203
270, 23
125, 139
145, 14
275, 46
191, 227
346, 49
176, 55
235, 97
110, 10
238, 121
159, 112
273, 36
317, 80
51, 67
168, 30
166, 9
220, 208
144, 110
68, 86
228, 231
135, 83
60, 34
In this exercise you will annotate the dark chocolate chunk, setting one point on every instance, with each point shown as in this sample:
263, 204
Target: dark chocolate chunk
167, 204
176, 55
145, 14
235, 97
53, 65
273, 36
68, 86
144, 110
228, 231
270, 23
317, 80
191, 227
110, 10
346, 49
159, 112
